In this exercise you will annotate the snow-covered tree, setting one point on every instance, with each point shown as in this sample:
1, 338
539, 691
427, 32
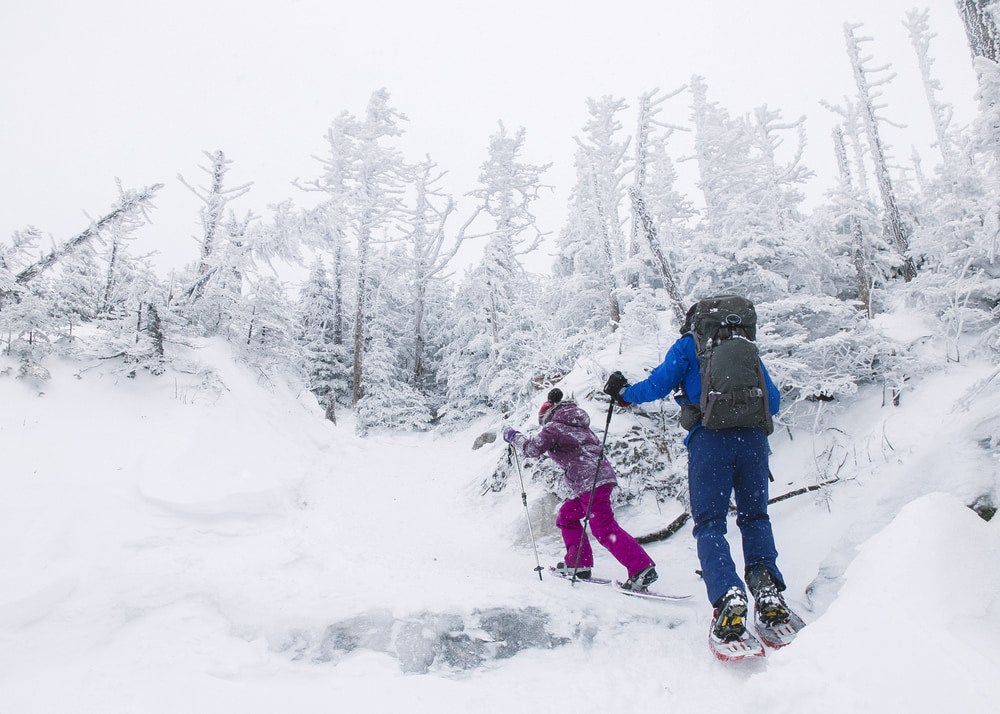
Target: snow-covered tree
264, 327
120, 233
130, 202
868, 79
660, 213
490, 361
327, 364
425, 258
363, 179
918, 25
78, 288
754, 240
390, 401
216, 197
601, 168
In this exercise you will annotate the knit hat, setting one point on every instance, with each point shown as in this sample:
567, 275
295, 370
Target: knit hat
554, 396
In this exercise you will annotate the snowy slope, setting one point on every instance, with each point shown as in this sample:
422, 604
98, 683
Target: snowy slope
206, 542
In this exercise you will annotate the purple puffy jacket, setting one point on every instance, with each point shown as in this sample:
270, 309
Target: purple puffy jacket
568, 440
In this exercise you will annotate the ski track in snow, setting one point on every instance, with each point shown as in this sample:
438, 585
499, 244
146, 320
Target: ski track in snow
210, 544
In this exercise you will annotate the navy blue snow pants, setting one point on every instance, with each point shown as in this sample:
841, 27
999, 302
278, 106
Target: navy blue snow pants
722, 462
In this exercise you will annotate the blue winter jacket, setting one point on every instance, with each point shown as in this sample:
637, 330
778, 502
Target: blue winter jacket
680, 366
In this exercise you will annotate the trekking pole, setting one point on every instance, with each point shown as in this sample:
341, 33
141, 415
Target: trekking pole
527, 513
593, 487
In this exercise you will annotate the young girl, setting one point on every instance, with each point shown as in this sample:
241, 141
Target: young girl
567, 439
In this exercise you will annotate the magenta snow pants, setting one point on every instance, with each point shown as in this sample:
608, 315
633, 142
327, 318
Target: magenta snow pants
605, 528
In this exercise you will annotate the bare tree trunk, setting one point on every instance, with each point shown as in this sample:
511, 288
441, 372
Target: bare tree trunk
639, 183
250, 329
106, 302
215, 198
215, 203
897, 229
154, 327
666, 275
361, 309
338, 290
980, 27
614, 308
857, 233
418, 333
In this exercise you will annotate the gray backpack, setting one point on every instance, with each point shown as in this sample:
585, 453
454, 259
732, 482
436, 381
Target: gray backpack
733, 391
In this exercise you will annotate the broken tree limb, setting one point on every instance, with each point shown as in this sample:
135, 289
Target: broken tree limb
679, 522
130, 202
665, 533
797, 492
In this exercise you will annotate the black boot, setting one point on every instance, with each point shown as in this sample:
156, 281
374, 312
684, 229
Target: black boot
730, 616
582, 573
770, 605
641, 580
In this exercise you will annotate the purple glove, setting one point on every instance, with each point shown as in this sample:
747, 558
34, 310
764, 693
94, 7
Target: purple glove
509, 434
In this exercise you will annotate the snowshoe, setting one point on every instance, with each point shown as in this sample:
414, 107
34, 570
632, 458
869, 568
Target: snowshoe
641, 581
582, 572
729, 638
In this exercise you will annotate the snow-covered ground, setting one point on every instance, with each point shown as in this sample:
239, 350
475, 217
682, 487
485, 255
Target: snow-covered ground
206, 542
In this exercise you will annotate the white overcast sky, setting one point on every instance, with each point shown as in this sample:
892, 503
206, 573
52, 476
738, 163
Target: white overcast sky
98, 89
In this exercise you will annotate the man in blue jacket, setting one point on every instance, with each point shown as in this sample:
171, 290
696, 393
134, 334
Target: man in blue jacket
721, 462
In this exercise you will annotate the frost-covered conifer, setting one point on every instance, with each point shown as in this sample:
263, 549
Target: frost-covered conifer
490, 361
754, 240
422, 263
29, 324
363, 178
120, 233
327, 363
78, 288
264, 327
390, 400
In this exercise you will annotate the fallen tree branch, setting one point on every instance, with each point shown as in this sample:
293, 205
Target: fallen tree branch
665, 533
679, 522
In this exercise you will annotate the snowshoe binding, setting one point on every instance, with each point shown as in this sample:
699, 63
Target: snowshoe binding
729, 638
774, 621
641, 581
566, 571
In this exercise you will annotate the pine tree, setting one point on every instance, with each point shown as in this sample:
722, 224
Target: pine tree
390, 401
425, 259
495, 368
78, 288
327, 364
266, 328
753, 240
364, 180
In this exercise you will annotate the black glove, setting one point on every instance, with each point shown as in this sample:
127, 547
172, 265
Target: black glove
614, 387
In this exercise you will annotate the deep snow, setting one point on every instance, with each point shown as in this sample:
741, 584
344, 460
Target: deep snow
205, 541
